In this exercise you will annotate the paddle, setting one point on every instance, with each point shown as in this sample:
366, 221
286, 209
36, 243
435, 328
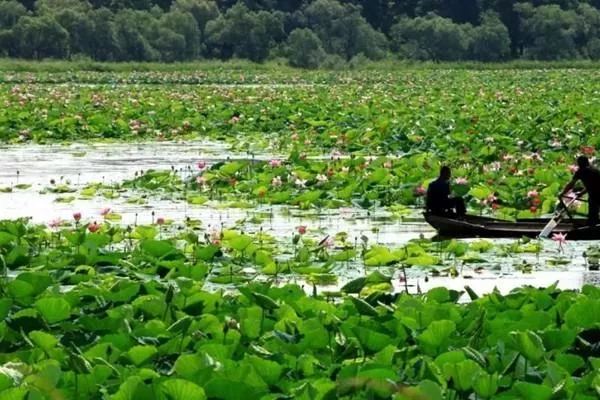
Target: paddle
558, 216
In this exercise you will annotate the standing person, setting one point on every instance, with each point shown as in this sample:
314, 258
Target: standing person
440, 201
590, 177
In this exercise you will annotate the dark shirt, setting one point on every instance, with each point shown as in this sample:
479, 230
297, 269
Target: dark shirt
591, 180
438, 194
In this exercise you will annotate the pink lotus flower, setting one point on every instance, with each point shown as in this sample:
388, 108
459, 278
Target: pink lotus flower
307, 142
200, 180
302, 229
93, 227
55, 223
276, 181
275, 163
560, 238
77, 216
295, 136
533, 193
508, 157
105, 211
387, 164
329, 242
201, 165
215, 235
321, 178
556, 144
234, 120
573, 168
420, 191
461, 181
160, 220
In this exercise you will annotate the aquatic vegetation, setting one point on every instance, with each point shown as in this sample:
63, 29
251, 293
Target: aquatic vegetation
181, 308
85, 315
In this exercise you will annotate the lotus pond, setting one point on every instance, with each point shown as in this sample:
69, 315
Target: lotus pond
258, 235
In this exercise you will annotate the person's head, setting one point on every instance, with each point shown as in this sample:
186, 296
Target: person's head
583, 162
445, 173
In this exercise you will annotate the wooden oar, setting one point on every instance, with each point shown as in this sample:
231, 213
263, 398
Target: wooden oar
558, 216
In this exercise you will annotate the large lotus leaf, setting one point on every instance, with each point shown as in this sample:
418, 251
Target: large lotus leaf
371, 340
463, 374
53, 309
270, 371
17, 257
189, 365
583, 314
486, 385
17, 393
240, 242
423, 260
436, 336
430, 389
559, 339
530, 345
144, 232
157, 248
139, 355
128, 389
43, 340
179, 389
315, 335
20, 289
207, 253
226, 389
532, 391
6, 239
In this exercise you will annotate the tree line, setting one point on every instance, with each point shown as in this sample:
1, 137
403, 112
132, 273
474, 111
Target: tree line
308, 33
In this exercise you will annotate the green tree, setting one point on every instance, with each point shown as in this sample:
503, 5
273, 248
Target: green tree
183, 24
245, 34
343, 30
43, 7
80, 28
104, 44
40, 37
305, 49
551, 31
431, 38
202, 10
490, 40
170, 45
10, 13
133, 31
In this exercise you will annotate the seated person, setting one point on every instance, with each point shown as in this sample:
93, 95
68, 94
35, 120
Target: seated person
440, 201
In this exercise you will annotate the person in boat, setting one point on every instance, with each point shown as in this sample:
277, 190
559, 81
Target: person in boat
590, 177
439, 198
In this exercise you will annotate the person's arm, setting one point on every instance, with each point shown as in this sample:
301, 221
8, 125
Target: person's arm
570, 185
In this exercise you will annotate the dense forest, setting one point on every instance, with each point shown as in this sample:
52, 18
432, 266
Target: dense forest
308, 33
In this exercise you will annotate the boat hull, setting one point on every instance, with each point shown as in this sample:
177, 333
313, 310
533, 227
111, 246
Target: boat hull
473, 226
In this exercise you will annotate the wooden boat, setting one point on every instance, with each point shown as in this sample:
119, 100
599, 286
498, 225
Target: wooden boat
472, 226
